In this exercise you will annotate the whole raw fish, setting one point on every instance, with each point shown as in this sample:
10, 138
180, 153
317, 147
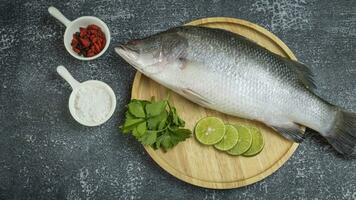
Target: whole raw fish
227, 72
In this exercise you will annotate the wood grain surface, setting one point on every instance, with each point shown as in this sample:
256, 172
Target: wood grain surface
203, 165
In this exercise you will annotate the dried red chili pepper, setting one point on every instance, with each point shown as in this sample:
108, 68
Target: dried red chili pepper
88, 41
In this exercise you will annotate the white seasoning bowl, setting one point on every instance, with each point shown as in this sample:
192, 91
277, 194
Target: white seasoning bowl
73, 27
77, 86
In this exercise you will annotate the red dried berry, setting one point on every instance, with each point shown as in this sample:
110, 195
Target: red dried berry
76, 50
90, 54
83, 32
93, 27
88, 41
94, 39
84, 42
74, 42
97, 48
92, 48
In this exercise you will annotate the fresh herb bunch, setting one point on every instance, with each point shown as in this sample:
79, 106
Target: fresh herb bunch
152, 123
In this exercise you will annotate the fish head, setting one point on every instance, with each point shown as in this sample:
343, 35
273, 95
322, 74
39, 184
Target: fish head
157, 56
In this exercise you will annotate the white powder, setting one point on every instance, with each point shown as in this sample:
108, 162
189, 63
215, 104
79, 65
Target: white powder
92, 104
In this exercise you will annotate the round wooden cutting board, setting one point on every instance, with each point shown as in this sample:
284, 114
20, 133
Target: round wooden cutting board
203, 165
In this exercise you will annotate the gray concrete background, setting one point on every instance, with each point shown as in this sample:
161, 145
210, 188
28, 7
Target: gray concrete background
44, 154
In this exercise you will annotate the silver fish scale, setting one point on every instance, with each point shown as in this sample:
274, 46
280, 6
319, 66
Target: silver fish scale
241, 78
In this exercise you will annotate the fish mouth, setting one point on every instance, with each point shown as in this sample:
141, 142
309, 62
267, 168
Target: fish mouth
129, 55
126, 52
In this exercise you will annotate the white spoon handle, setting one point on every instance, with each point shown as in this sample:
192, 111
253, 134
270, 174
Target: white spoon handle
63, 72
58, 15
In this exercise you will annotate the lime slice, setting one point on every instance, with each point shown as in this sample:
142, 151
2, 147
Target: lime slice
244, 142
257, 142
210, 130
229, 140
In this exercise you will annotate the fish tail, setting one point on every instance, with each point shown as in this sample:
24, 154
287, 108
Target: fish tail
342, 135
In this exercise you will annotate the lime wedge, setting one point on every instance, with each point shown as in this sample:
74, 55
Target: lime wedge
257, 142
209, 130
244, 142
229, 140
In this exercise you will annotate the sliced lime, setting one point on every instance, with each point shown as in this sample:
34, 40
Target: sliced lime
229, 140
209, 130
257, 142
244, 142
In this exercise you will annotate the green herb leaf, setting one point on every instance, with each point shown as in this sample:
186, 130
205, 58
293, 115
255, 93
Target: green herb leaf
141, 128
165, 140
162, 124
155, 108
143, 102
135, 133
183, 133
158, 142
171, 138
136, 109
132, 122
175, 117
181, 122
154, 122
128, 115
149, 138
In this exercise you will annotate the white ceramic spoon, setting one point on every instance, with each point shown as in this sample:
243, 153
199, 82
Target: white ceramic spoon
76, 86
73, 26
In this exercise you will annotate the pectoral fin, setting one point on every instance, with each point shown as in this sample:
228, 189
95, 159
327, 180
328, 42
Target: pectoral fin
196, 97
291, 132
185, 63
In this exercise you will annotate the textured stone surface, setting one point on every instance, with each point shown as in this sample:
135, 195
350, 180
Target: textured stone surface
44, 154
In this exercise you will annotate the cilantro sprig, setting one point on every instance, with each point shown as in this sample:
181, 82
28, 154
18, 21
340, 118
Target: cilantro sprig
155, 123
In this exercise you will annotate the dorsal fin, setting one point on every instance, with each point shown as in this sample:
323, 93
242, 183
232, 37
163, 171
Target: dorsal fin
305, 75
